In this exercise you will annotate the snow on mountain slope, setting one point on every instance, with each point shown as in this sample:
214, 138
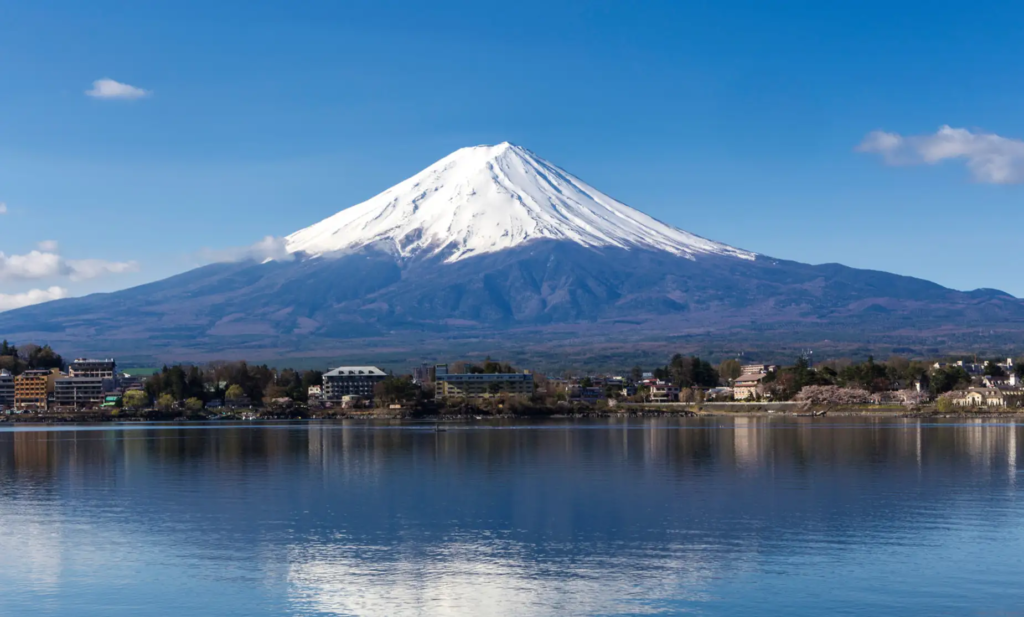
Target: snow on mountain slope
489, 198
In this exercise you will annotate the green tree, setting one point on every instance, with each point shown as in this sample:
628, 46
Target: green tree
42, 357
173, 382
234, 393
949, 378
687, 372
195, 384
165, 402
290, 381
897, 367
491, 367
944, 404
730, 369
135, 399
194, 405
11, 363
994, 370
273, 392
394, 389
782, 385
310, 378
866, 376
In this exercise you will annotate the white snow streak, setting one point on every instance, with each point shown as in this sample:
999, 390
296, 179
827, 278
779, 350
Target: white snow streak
490, 198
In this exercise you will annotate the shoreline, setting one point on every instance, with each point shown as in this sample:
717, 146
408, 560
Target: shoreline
413, 417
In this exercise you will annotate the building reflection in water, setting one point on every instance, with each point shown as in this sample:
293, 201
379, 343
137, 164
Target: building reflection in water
582, 517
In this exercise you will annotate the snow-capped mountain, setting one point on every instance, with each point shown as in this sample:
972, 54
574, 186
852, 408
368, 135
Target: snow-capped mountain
486, 199
492, 248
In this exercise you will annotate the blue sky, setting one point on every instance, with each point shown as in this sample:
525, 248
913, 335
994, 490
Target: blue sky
737, 121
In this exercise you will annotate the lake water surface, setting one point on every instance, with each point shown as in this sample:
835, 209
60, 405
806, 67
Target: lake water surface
720, 516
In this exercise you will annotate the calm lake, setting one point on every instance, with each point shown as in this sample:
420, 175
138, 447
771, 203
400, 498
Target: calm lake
720, 516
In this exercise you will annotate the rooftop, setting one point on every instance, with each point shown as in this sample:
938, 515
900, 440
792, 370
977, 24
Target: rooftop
345, 371
748, 378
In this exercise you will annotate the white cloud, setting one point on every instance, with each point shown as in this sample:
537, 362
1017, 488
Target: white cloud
109, 89
41, 264
33, 296
49, 246
32, 265
3, 208
82, 269
991, 158
270, 248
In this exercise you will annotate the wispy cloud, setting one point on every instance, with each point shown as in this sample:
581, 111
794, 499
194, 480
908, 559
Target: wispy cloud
109, 89
991, 158
270, 248
83, 269
42, 264
3, 208
30, 297
49, 246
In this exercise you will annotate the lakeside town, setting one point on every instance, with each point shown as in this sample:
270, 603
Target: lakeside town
37, 381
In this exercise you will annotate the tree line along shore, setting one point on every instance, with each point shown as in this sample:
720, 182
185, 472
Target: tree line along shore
684, 385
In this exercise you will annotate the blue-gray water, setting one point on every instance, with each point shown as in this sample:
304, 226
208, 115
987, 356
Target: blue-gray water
731, 517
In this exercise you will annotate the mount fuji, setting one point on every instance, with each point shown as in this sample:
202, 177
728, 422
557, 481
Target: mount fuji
492, 248
492, 198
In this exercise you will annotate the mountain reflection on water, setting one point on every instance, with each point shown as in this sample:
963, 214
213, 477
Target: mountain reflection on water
718, 516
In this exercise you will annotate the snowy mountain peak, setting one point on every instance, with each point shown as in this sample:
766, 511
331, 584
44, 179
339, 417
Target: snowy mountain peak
485, 199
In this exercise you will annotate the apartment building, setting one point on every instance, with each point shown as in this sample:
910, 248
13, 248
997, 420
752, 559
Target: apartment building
32, 388
748, 386
662, 392
758, 369
6, 389
480, 385
80, 391
87, 367
351, 381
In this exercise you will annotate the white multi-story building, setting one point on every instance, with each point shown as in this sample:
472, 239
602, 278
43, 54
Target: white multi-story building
86, 367
748, 386
662, 392
758, 369
351, 381
80, 391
